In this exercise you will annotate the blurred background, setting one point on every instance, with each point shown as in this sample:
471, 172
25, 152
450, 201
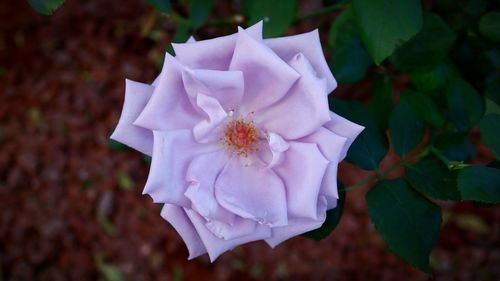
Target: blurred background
70, 200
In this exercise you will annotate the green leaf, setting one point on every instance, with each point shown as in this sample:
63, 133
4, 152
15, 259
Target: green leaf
181, 34
480, 184
490, 133
494, 164
489, 26
162, 5
45, 7
371, 146
407, 221
493, 90
473, 7
118, 146
431, 177
464, 104
454, 146
428, 48
493, 57
349, 60
381, 104
332, 219
405, 128
385, 25
491, 107
277, 16
147, 159
199, 10
433, 80
426, 109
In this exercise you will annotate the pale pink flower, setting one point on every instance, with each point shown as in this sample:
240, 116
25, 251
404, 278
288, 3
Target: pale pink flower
243, 144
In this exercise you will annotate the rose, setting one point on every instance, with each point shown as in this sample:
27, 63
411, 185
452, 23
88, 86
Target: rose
243, 144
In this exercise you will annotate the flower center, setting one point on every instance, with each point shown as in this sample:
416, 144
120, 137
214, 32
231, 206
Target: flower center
241, 136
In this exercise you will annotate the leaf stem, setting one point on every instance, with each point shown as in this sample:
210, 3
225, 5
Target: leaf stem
322, 11
439, 155
379, 175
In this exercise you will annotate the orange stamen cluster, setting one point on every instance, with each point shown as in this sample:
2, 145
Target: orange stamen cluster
241, 137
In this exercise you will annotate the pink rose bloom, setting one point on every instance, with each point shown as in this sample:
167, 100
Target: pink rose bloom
243, 144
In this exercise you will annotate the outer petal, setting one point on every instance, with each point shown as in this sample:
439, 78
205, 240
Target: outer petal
305, 106
239, 228
298, 226
253, 192
169, 108
172, 152
302, 171
201, 174
332, 146
267, 77
345, 128
177, 217
213, 53
329, 187
216, 246
308, 44
224, 86
136, 96
190, 40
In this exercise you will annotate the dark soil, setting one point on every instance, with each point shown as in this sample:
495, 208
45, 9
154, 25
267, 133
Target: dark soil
71, 207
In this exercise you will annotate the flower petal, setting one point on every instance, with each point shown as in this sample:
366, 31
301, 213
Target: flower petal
270, 150
225, 86
329, 187
297, 226
172, 152
305, 106
332, 147
345, 128
215, 113
177, 217
202, 173
190, 40
213, 53
169, 107
302, 171
239, 228
330, 144
277, 145
267, 77
216, 246
308, 44
136, 96
253, 192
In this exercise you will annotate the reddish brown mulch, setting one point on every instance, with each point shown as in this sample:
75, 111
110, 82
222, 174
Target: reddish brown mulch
68, 210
